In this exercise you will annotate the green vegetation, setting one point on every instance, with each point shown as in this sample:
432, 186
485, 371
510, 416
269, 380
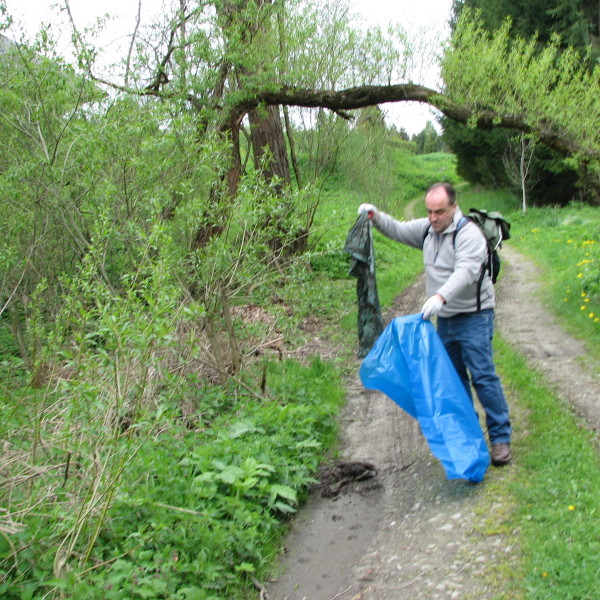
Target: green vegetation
158, 268
168, 463
171, 506
552, 489
566, 244
493, 158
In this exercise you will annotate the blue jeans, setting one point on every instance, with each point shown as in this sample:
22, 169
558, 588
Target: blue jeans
468, 340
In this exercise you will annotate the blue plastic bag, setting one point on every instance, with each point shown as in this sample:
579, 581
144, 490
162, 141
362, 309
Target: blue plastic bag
409, 364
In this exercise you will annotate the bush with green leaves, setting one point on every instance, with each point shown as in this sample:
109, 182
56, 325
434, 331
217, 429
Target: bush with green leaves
124, 473
548, 89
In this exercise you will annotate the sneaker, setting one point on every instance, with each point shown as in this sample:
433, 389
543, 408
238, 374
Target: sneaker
501, 454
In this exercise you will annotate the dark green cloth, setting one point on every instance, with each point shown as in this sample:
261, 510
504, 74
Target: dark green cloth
359, 244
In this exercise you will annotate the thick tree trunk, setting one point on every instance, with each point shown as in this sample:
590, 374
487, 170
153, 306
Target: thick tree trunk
267, 138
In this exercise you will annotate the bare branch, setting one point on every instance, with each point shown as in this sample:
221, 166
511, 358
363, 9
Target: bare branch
131, 45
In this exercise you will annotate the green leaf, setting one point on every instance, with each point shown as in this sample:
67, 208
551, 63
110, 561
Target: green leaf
277, 490
230, 474
245, 568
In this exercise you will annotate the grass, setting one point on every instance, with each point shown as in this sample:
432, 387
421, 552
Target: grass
565, 243
195, 513
549, 498
553, 488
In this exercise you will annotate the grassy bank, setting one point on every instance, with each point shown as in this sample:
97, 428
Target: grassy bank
553, 489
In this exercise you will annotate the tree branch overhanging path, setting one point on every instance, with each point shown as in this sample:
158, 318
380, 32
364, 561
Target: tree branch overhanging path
540, 103
370, 95
359, 97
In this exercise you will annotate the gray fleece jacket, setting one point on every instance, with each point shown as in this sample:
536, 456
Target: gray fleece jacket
450, 270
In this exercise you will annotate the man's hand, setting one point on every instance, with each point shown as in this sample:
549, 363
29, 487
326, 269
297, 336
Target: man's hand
432, 306
370, 210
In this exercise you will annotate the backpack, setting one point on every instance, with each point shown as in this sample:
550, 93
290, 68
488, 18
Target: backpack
495, 229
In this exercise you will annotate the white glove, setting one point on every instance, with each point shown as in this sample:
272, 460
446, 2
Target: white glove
432, 306
370, 210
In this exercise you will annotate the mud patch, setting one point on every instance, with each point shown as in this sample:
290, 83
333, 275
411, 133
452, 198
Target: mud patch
335, 477
329, 535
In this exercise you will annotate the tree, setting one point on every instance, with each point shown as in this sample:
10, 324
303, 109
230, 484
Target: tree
517, 161
551, 87
428, 140
576, 24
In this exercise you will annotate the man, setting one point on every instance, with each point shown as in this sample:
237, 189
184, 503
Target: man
453, 266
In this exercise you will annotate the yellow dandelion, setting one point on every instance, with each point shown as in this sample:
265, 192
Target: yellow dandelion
569, 241
565, 299
583, 294
591, 315
583, 307
544, 574
571, 507
586, 300
597, 320
579, 275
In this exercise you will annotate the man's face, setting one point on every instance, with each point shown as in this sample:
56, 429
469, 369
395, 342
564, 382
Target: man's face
439, 209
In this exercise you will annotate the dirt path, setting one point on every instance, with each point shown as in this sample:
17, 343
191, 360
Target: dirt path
409, 533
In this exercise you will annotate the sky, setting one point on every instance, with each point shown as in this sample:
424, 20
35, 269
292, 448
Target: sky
423, 19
